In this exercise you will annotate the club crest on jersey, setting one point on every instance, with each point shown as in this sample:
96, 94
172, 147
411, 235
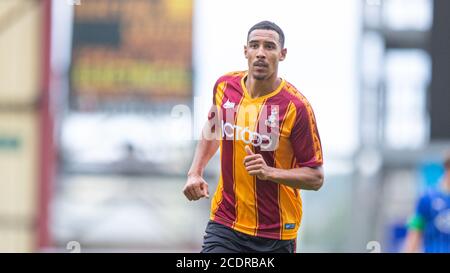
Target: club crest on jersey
272, 120
228, 105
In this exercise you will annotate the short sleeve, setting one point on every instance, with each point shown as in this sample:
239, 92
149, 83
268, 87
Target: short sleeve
213, 111
418, 220
423, 206
213, 129
305, 138
214, 101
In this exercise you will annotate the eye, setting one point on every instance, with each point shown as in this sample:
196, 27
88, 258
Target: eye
253, 46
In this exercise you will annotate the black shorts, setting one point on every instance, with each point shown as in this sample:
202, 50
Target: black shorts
222, 239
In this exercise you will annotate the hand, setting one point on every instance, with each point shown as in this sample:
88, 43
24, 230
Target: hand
255, 164
195, 188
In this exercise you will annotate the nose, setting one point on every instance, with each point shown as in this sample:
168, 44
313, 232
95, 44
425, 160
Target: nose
260, 54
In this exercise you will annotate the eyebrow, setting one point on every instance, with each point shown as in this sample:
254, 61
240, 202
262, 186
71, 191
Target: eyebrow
265, 42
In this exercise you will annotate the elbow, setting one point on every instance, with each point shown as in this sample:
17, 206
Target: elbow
318, 182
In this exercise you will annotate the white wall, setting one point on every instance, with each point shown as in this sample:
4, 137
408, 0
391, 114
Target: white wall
322, 39
322, 42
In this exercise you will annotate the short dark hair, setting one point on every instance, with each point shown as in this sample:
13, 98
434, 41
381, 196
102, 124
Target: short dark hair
270, 26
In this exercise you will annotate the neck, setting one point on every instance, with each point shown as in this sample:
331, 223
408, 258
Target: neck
259, 88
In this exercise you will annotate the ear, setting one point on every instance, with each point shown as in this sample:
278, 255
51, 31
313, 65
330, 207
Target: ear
245, 51
283, 54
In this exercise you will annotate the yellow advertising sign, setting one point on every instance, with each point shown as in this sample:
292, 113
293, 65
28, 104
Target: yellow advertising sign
131, 51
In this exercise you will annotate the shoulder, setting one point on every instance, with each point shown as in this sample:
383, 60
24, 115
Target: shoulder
231, 77
427, 196
297, 98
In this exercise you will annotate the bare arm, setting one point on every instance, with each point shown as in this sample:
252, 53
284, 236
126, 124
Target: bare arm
196, 187
413, 241
203, 153
300, 178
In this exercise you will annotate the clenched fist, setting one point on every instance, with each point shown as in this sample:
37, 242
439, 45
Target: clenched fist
256, 165
195, 188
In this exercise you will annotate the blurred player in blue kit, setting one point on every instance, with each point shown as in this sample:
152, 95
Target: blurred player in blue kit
429, 228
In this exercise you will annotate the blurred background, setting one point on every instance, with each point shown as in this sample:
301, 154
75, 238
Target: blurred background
101, 103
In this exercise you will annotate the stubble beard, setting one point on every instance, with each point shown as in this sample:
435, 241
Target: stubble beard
259, 78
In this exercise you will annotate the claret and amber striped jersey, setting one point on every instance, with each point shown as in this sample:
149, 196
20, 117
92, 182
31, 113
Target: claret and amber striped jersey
281, 127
